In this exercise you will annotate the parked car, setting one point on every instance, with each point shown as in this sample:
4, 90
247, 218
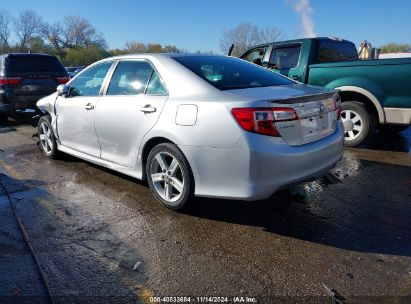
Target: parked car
73, 71
375, 93
25, 78
199, 125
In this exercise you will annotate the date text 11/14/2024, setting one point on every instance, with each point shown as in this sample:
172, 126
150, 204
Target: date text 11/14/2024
203, 299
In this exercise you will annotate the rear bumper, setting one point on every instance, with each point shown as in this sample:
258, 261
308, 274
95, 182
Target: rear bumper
10, 103
257, 166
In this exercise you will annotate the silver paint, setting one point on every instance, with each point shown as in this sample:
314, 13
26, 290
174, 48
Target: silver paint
226, 161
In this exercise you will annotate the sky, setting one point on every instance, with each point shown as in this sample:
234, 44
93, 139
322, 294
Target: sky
198, 25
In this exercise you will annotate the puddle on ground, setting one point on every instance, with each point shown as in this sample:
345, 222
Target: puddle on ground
346, 168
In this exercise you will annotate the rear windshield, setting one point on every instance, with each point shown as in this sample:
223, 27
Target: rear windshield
226, 73
334, 51
29, 64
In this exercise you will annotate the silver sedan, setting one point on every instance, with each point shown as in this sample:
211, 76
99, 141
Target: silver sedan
195, 125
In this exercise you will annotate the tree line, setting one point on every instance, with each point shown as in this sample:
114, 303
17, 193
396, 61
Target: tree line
75, 41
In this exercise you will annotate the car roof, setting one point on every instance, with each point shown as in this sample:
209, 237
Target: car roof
158, 55
27, 55
299, 41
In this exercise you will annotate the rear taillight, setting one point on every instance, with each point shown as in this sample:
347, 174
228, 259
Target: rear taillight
261, 120
62, 80
10, 80
337, 106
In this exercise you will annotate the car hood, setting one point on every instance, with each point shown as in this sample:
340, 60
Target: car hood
280, 92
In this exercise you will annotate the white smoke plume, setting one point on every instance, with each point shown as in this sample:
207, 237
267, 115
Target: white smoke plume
306, 12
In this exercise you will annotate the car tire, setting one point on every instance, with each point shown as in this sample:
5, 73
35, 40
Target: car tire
47, 140
359, 124
169, 176
390, 129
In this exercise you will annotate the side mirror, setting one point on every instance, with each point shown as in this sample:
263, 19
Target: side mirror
62, 90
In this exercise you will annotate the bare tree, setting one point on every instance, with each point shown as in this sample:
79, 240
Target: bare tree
79, 32
154, 48
53, 34
135, 47
73, 32
270, 34
246, 35
5, 20
25, 25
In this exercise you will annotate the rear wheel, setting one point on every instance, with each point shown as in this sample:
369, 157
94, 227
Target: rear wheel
47, 140
169, 176
359, 124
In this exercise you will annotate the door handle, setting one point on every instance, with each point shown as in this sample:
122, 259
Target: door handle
295, 77
89, 107
148, 109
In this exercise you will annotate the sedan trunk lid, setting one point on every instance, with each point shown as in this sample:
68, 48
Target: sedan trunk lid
317, 110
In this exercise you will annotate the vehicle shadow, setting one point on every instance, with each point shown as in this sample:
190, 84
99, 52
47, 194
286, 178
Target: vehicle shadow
14, 122
343, 221
350, 212
395, 142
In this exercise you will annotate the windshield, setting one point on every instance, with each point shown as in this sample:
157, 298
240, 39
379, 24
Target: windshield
227, 73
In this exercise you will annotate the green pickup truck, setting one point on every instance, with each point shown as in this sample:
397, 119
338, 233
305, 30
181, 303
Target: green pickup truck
376, 94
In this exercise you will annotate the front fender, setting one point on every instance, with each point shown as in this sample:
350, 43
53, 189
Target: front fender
47, 107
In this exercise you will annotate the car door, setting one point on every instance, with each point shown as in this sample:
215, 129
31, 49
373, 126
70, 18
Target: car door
284, 59
129, 108
76, 111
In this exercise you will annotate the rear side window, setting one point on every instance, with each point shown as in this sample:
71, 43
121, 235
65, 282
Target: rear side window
130, 78
155, 86
227, 73
334, 51
285, 57
29, 64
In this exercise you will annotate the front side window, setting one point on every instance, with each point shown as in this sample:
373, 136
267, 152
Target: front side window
130, 78
227, 73
285, 58
255, 56
90, 81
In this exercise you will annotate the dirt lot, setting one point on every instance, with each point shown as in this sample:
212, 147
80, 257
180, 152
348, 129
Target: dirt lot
100, 236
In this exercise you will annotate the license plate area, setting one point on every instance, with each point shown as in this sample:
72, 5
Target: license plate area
316, 126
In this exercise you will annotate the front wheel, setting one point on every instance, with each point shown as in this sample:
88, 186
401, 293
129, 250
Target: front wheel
47, 140
359, 124
169, 176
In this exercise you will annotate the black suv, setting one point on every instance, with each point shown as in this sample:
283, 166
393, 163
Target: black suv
25, 78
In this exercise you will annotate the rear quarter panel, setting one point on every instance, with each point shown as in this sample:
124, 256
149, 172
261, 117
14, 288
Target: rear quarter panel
389, 80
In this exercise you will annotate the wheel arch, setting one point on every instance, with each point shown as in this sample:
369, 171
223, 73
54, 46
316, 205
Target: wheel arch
352, 93
150, 144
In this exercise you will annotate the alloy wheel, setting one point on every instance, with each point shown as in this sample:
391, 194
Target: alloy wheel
167, 177
46, 138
